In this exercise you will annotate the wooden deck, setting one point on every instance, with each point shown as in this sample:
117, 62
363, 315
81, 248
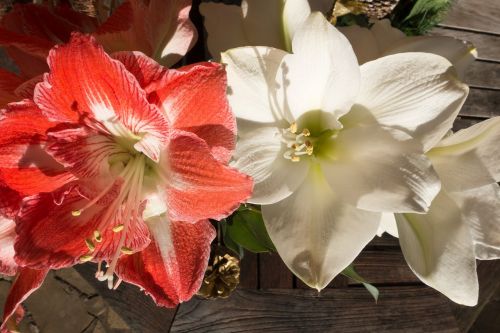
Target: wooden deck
270, 299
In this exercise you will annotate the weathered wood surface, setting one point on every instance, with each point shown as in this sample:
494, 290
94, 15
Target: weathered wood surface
489, 282
135, 308
405, 309
487, 45
480, 15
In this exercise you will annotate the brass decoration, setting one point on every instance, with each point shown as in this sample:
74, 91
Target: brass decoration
221, 277
375, 9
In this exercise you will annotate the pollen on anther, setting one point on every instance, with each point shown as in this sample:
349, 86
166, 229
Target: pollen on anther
295, 158
306, 132
126, 250
90, 244
118, 228
293, 127
86, 258
76, 213
97, 236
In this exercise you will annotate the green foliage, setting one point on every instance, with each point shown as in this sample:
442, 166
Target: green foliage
353, 19
417, 17
351, 273
245, 229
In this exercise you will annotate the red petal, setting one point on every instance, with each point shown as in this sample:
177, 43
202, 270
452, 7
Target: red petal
171, 268
24, 166
85, 80
160, 28
193, 97
27, 88
48, 235
121, 20
25, 284
196, 102
7, 235
41, 22
32, 45
8, 85
201, 187
29, 65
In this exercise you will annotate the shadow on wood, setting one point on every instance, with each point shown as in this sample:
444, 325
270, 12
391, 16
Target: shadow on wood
405, 309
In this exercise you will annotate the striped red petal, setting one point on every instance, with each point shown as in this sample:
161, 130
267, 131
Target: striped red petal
171, 268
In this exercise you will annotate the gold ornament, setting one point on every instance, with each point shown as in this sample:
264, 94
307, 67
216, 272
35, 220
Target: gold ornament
221, 277
87, 7
375, 9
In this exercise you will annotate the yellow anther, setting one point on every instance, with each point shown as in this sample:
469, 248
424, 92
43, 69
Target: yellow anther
309, 147
97, 236
294, 146
90, 244
293, 127
306, 132
86, 258
118, 228
126, 250
295, 158
76, 213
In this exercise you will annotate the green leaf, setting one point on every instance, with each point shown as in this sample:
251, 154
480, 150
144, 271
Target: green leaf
228, 242
351, 273
247, 229
417, 17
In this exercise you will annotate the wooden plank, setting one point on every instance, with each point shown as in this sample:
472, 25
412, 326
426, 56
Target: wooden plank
483, 74
136, 308
488, 273
463, 122
273, 273
404, 309
386, 241
488, 46
249, 271
483, 103
481, 15
384, 267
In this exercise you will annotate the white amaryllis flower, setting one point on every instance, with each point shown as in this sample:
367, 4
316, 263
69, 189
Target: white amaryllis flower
329, 144
256, 22
382, 39
463, 222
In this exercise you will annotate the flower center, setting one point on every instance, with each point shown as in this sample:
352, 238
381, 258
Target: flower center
124, 210
309, 141
298, 144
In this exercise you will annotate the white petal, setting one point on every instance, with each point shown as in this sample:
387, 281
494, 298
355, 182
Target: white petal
415, 92
461, 54
481, 208
388, 224
315, 233
378, 171
251, 86
259, 154
323, 72
262, 23
295, 14
470, 157
224, 25
438, 248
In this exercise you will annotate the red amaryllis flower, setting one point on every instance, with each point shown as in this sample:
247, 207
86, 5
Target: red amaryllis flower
159, 28
122, 162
